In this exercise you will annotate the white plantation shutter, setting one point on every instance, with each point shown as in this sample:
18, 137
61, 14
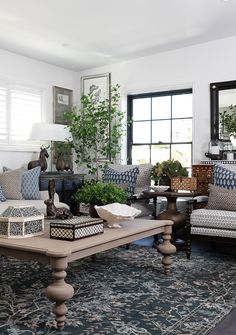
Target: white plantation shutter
3, 115
19, 109
25, 110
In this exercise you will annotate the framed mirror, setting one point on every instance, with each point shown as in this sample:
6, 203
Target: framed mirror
222, 96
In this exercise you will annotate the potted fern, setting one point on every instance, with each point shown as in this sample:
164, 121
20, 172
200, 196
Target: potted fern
164, 171
99, 193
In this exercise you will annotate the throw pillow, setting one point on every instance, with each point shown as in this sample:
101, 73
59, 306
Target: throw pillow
224, 177
30, 184
221, 198
129, 177
2, 196
144, 177
11, 184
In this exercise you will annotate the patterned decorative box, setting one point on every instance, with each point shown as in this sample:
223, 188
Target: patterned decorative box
21, 221
184, 183
76, 228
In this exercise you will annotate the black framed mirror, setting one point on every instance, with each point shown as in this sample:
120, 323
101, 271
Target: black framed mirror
222, 95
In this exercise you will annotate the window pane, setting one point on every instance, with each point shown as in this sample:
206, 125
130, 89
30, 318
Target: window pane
161, 107
142, 109
140, 154
182, 105
25, 110
3, 114
159, 153
182, 130
182, 152
141, 132
160, 131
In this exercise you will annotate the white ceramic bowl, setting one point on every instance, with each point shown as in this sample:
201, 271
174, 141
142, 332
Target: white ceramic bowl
160, 188
115, 213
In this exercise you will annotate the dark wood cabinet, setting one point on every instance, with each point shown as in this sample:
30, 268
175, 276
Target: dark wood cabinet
66, 184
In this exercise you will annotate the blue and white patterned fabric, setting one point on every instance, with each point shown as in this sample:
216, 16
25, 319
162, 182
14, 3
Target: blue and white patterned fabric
129, 177
224, 177
2, 196
30, 184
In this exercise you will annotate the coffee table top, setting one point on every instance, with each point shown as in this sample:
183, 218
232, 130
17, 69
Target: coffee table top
130, 230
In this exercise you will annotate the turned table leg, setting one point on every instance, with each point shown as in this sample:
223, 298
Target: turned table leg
59, 291
166, 249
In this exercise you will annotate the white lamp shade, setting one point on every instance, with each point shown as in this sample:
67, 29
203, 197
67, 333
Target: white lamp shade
50, 132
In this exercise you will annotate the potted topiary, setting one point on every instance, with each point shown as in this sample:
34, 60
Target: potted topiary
97, 127
164, 171
99, 193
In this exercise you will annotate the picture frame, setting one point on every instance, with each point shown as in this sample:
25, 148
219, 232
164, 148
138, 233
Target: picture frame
62, 102
100, 83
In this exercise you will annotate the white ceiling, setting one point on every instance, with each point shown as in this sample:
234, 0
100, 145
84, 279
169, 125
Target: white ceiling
81, 34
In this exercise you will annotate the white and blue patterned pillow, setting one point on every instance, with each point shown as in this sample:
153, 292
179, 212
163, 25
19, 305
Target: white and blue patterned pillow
224, 177
30, 184
129, 177
2, 196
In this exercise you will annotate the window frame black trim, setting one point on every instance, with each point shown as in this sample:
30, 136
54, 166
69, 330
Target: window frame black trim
131, 97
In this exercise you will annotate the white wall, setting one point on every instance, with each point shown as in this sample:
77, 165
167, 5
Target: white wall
26, 71
195, 66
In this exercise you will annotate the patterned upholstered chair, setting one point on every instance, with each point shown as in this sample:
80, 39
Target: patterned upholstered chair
216, 219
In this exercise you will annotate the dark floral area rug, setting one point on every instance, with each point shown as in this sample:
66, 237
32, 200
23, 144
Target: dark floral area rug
121, 292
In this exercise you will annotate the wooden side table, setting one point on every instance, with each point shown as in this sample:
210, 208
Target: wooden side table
171, 212
66, 184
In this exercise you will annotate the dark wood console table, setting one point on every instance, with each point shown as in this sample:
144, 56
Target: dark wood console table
66, 185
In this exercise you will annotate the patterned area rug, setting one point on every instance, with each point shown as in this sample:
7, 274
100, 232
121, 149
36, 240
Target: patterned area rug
121, 292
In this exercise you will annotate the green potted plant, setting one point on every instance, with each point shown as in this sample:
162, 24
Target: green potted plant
99, 193
228, 120
164, 171
228, 123
97, 128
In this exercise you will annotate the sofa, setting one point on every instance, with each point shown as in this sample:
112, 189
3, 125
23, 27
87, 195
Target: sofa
20, 187
216, 217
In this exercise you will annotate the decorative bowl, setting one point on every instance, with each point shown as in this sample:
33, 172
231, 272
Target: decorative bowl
116, 212
160, 188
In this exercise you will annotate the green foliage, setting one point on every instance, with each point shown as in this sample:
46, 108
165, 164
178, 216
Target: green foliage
62, 148
170, 168
228, 120
98, 193
97, 128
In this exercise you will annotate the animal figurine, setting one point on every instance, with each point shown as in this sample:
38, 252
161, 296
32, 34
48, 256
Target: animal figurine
41, 161
54, 212
64, 163
61, 213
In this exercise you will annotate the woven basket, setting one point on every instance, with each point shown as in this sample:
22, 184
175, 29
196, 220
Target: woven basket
184, 183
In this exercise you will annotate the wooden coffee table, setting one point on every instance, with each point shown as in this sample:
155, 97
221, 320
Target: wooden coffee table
58, 253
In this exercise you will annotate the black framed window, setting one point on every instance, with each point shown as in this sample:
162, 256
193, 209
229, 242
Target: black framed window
161, 127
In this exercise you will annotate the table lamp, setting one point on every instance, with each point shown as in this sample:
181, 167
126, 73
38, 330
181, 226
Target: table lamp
50, 132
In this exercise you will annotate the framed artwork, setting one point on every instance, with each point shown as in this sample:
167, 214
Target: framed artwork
99, 84
62, 102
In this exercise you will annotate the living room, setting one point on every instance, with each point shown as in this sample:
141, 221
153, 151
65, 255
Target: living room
203, 52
